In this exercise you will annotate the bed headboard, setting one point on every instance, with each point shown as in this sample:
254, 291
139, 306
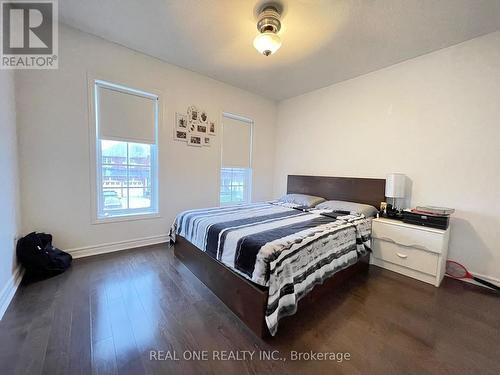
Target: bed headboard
359, 190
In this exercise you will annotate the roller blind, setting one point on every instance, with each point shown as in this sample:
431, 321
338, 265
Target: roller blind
126, 115
236, 143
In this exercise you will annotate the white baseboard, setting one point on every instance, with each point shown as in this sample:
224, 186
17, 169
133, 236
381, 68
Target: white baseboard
117, 246
492, 280
9, 290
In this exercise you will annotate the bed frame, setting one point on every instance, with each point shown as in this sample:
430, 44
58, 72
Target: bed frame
248, 300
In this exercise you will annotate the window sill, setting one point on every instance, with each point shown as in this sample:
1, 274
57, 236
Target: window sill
132, 217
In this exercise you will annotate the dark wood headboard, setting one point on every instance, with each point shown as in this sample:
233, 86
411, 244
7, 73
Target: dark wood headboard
359, 190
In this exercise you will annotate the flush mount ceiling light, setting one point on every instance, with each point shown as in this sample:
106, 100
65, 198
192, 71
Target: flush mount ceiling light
268, 24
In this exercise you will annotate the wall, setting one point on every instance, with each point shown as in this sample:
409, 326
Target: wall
9, 197
54, 141
435, 118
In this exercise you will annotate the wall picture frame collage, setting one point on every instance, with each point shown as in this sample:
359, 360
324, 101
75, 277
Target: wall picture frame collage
194, 127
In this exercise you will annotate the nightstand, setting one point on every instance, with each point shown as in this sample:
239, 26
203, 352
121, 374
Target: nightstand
415, 251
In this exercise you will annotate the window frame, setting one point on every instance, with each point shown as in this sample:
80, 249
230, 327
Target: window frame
96, 166
249, 193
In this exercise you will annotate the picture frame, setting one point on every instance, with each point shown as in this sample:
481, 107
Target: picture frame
202, 128
193, 115
180, 135
212, 128
192, 127
194, 139
181, 122
207, 141
203, 117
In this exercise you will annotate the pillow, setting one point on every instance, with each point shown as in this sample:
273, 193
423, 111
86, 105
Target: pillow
301, 200
353, 208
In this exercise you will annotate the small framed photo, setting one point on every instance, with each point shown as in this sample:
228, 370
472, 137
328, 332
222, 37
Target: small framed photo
181, 122
212, 128
180, 135
192, 127
206, 141
195, 139
203, 117
193, 115
201, 128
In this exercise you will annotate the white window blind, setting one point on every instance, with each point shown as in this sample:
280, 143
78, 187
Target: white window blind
236, 143
126, 115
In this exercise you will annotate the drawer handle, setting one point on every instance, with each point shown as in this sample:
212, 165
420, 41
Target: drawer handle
402, 244
404, 256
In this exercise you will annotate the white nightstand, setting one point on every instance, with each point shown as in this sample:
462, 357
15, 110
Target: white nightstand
414, 251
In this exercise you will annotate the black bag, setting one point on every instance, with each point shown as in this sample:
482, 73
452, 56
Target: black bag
36, 253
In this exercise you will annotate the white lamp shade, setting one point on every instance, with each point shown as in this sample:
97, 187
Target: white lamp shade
395, 185
267, 43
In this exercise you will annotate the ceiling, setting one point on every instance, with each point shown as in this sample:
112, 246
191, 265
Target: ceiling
324, 41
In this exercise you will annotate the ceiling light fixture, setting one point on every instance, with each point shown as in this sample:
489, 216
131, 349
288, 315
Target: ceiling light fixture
268, 24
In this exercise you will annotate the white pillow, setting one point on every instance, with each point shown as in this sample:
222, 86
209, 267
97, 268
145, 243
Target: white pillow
352, 207
304, 200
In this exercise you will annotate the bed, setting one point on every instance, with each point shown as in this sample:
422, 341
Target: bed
262, 259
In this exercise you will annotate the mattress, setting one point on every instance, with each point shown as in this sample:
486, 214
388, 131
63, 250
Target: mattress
285, 249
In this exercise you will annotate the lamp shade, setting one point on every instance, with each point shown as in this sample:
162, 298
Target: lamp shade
267, 43
395, 185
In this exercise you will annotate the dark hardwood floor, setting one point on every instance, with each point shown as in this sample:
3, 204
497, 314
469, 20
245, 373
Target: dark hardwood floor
108, 312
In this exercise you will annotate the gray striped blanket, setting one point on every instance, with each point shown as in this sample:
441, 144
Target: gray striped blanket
288, 250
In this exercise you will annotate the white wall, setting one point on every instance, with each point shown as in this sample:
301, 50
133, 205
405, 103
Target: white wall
9, 197
435, 118
54, 140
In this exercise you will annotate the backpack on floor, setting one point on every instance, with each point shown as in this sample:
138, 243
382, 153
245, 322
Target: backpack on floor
36, 253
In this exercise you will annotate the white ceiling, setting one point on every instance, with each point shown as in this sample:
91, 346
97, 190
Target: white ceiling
324, 41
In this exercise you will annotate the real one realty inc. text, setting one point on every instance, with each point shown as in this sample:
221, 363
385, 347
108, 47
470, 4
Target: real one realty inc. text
246, 355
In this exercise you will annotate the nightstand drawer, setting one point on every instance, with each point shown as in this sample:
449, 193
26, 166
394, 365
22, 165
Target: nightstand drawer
410, 257
408, 237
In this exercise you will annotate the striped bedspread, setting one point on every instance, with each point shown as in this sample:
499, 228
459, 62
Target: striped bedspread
288, 250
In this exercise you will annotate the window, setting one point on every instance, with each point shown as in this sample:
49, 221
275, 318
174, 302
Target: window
236, 171
126, 151
235, 185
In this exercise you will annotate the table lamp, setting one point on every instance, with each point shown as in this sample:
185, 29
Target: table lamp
395, 187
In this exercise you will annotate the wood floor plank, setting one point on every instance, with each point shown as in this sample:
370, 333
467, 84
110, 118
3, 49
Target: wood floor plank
106, 314
33, 351
103, 357
80, 352
57, 355
128, 357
